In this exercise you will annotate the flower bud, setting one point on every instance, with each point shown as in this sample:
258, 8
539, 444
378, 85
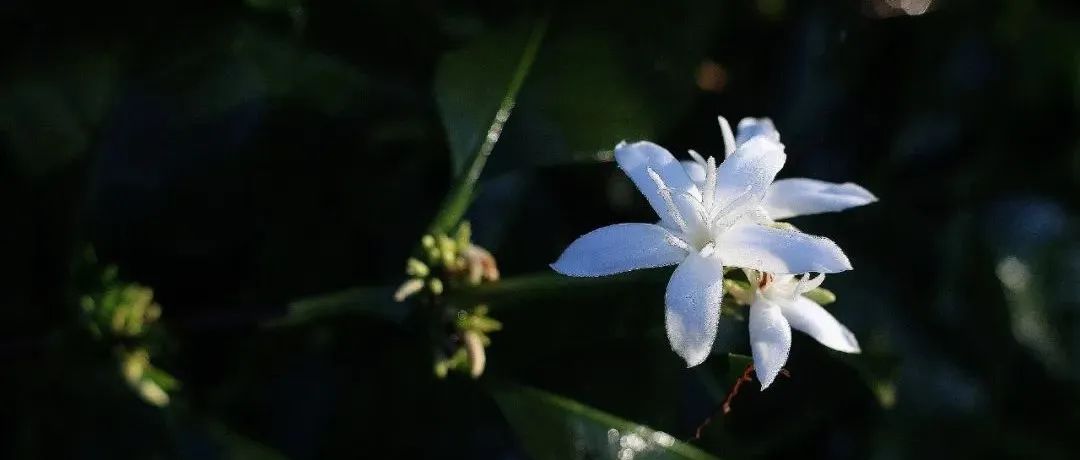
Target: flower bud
464, 234
416, 268
474, 348
448, 248
821, 295
436, 286
408, 288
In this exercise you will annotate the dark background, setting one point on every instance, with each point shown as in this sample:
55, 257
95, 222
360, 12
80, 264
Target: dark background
237, 156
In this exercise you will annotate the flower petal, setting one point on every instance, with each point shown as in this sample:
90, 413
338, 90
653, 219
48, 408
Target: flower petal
750, 127
774, 250
695, 170
807, 316
693, 307
638, 158
729, 138
619, 248
749, 170
801, 196
770, 340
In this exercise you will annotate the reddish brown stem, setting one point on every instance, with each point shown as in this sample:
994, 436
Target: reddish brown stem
726, 406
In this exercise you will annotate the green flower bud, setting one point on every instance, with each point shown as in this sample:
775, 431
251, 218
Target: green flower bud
464, 234
436, 286
821, 295
416, 268
408, 288
741, 291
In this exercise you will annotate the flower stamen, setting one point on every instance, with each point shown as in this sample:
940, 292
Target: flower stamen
665, 193
708, 194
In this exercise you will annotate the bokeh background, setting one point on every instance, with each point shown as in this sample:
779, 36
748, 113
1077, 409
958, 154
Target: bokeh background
236, 157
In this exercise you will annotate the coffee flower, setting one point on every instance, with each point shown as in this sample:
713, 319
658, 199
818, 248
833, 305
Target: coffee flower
780, 306
704, 227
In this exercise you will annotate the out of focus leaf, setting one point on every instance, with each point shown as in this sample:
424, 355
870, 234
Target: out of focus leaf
259, 64
557, 428
593, 87
376, 302
476, 88
274, 5
239, 447
878, 372
48, 115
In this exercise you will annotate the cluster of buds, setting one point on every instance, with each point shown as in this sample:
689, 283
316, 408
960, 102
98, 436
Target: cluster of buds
449, 262
125, 314
469, 340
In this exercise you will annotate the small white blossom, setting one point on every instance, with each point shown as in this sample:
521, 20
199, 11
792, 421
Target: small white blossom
779, 305
786, 197
703, 228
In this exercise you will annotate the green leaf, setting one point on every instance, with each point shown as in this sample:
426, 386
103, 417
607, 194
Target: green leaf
878, 371
376, 302
50, 113
557, 428
236, 446
594, 87
249, 63
476, 88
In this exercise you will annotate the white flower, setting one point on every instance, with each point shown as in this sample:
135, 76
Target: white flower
786, 197
779, 305
702, 229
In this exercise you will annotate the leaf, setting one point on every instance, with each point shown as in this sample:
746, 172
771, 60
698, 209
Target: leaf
376, 302
49, 114
878, 371
594, 87
475, 89
236, 446
554, 427
249, 63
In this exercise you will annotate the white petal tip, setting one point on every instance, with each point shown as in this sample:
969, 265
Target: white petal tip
858, 191
766, 383
852, 345
846, 345
695, 359
566, 269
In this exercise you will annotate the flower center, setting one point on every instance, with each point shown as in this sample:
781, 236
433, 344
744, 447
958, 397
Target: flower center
699, 220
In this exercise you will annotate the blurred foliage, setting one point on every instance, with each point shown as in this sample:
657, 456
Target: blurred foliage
263, 169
